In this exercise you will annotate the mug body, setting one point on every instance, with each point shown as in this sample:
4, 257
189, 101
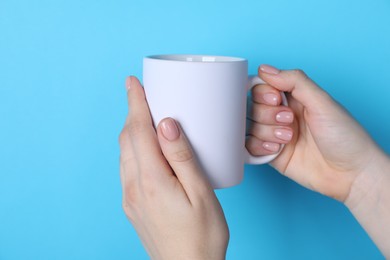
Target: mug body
207, 96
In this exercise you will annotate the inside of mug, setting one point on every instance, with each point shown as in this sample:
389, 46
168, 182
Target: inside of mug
196, 58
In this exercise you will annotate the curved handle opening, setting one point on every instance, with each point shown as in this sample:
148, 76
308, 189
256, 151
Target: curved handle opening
254, 80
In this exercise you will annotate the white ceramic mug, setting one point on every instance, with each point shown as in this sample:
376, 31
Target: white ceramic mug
207, 96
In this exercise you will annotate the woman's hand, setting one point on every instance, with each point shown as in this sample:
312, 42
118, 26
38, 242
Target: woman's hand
328, 149
165, 194
330, 152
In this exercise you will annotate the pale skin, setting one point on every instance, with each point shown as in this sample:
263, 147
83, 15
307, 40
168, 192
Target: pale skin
175, 211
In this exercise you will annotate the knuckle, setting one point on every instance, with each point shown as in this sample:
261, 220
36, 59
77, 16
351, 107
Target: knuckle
183, 155
204, 191
123, 136
258, 114
130, 194
263, 114
254, 147
129, 211
256, 130
136, 127
130, 200
148, 184
256, 90
255, 150
300, 74
256, 96
204, 198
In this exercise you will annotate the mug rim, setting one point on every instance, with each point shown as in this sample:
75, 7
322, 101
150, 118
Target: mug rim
197, 58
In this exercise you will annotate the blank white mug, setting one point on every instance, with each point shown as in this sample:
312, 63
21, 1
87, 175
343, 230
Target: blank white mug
207, 96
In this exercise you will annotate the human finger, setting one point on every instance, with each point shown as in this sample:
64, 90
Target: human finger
180, 156
271, 133
142, 133
259, 147
301, 87
266, 94
270, 115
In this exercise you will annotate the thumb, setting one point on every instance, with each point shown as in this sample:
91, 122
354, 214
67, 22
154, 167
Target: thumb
296, 82
181, 157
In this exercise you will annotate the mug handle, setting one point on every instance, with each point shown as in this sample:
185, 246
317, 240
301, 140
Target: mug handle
254, 80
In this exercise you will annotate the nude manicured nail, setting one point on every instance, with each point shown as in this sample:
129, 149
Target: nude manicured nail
285, 117
271, 99
128, 83
283, 134
169, 129
272, 147
269, 69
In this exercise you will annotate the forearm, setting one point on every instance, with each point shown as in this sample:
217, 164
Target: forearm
369, 202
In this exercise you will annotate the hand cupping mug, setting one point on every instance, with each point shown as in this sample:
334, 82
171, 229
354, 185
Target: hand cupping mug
207, 96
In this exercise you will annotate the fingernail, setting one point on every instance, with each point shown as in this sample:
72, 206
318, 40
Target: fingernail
283, 134
285, 117
271, 99
269, 69
272, 147
128, 83
169, 129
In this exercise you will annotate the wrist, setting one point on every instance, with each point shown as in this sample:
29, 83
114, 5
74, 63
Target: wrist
369, 201
367, 185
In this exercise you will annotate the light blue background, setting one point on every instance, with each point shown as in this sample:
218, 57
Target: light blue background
63, 103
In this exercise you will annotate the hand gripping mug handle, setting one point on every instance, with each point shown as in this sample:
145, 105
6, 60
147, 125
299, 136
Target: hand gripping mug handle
250, 159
